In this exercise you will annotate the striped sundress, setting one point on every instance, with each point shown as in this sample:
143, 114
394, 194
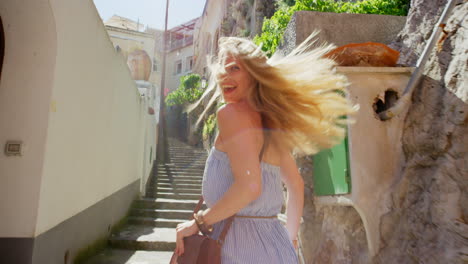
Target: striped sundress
249, 240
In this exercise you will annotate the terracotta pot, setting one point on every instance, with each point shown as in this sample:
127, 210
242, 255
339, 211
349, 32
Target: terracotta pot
365, 54
139, 63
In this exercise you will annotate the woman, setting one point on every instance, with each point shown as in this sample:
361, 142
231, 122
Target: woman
274, 107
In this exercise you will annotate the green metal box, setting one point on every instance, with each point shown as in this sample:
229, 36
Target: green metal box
331, 170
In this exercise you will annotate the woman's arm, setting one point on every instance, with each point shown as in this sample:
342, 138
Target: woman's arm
295, 186
242, 141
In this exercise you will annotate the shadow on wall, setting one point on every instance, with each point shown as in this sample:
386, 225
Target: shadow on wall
2, 46
176, 122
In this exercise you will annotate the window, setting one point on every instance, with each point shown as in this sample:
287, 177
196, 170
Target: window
189, 64
155, 65
178, 67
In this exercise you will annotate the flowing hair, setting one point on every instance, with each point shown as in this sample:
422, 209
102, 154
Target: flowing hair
301, 99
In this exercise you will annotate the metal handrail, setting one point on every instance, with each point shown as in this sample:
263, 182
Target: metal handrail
417, 73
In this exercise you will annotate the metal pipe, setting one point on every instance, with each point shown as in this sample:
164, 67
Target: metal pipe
417, 73
162, 155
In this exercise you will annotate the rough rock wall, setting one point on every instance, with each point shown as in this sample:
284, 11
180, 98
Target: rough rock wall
428, 223
329, 234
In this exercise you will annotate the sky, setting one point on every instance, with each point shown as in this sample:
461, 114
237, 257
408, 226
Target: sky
151, 12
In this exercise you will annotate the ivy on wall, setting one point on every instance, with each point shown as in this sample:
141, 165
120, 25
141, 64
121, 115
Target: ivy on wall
209, 126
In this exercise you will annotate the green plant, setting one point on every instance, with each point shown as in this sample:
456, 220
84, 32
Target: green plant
273, 28
244, 33
100, 244
209, 126
289, 2
188, 92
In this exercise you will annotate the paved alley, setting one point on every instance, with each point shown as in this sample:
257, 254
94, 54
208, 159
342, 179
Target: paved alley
172, 193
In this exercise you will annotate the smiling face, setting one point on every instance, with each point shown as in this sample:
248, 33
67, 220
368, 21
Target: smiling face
236, 83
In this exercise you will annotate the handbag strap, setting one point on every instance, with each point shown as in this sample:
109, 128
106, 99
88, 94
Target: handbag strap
198, 206
229, 220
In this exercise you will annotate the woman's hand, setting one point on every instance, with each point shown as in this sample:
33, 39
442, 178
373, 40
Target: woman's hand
184, 230
295, 244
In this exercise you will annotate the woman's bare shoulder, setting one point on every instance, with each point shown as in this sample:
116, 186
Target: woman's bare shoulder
237, 122
240, 113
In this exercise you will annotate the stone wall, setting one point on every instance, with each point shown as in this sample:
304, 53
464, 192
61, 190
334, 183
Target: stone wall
428, 223
329, 234
335, 233
340, 29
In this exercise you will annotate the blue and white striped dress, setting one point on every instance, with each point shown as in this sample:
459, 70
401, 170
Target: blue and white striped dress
249, 240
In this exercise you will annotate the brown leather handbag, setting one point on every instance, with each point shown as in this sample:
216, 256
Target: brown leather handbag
201, 249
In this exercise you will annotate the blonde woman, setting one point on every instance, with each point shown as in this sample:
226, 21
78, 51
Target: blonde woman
274, 107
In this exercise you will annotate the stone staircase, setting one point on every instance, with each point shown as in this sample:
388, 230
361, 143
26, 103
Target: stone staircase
172, 193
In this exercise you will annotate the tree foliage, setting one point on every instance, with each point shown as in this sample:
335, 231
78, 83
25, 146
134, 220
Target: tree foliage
189, 91
273, 28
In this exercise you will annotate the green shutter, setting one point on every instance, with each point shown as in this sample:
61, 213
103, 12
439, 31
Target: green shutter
331, 170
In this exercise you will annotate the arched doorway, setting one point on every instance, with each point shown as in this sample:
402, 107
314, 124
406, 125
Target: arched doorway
2, 46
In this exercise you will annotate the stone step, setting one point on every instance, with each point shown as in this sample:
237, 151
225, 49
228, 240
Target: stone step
180, 169
176, 196
179, 180
164, 203
175, 180
138, 237
174, 185
176, 189
120, 256
171, 174
177, 145
164, 187
182, 160
181, 163
184, 164
179, 177
186, 155
178, 185
180, 173
186, 176
152, 192
170, 195
185, 148
157, 222
162, 213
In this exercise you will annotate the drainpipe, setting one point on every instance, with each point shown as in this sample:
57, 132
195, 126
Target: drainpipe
416, 76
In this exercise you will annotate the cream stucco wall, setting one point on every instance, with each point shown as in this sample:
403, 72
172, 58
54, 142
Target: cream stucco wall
173, 78
375, 150
155, 77
94, 142
129, 41
25, 89
205, 33
69, 97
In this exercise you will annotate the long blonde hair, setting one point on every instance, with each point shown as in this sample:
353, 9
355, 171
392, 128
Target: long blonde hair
298, 95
